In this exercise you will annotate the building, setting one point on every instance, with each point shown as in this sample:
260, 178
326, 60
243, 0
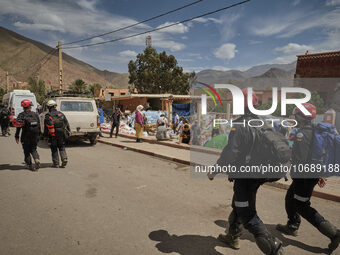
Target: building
107, 94
319, 72
162, 102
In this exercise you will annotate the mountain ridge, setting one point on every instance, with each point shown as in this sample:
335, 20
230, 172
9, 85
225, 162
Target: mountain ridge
20, 54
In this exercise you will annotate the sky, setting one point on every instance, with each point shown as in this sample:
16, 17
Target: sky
257, 32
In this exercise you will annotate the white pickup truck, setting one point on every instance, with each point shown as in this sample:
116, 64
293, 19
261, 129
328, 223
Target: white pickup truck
82, 115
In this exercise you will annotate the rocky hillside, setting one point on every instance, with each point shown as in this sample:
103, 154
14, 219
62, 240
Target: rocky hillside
20, 56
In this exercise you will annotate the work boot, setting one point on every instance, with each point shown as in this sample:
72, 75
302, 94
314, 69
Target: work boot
55, 164
229, 239
287, 229
63, 163
37, 163
32, 168
332, 233
63, 157
269, 245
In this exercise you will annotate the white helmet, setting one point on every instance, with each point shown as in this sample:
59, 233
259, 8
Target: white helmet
51, 103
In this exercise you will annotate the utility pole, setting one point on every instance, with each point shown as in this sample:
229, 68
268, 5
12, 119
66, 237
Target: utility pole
7, 82
60, 68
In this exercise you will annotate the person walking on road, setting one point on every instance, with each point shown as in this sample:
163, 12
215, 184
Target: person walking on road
28, 122
56, 127
297, 201
139, 123
115, 121
5, 116
242, 141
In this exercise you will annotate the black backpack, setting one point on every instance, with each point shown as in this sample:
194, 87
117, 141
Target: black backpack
271, 149
59, 122
3, 112
276, 145
32, 124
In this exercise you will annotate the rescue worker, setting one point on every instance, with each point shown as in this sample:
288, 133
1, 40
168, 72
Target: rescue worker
29, 123
55, 128
5, 116
297, 201
238, 152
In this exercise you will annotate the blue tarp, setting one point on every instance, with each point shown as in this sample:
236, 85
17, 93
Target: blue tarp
181, 109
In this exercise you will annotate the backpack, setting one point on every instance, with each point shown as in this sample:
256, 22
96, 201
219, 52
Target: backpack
326, 149
3, 112
276, 144
272, 149
58, 122
32, 124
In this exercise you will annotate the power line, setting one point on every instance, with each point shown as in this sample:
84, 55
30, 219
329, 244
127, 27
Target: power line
41, 65
34, 66
135, 24
160, 28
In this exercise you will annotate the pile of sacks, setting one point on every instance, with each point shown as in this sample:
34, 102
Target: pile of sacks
125, 129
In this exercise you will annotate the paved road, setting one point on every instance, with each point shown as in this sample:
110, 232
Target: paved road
114, 201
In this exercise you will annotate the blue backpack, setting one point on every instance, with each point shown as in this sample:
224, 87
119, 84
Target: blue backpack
326, 149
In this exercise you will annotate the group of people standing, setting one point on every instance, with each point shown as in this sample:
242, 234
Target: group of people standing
55, 131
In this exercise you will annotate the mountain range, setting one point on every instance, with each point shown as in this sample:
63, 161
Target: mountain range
260, 77
22, 57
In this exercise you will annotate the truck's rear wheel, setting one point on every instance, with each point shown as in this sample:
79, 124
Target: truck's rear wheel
93, 140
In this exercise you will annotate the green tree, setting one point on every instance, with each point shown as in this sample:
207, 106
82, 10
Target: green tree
78, 85
157, 74
93, 87
37, 87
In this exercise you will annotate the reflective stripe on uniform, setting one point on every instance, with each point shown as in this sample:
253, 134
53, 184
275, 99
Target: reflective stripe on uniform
241, 204
301, 199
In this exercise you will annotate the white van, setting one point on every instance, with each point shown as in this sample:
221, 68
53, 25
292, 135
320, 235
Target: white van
81, 113
13, 100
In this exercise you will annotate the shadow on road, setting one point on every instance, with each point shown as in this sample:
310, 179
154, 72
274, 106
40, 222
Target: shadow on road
286, 241
44, 144
186, 244
128, 141
21, 167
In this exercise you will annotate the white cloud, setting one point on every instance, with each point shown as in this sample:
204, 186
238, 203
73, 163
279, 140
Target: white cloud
226, 51
332, 2
128, 54
220, 68
82, 18
296, 2
294, 48
283, 59
253, 42
228, 27
86, 4
65, 17
36, 26
176, 29
294, 23
205, 20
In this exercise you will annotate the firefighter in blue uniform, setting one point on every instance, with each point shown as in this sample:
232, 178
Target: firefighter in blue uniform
56, 130
241, 140
28, 122
297, 201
